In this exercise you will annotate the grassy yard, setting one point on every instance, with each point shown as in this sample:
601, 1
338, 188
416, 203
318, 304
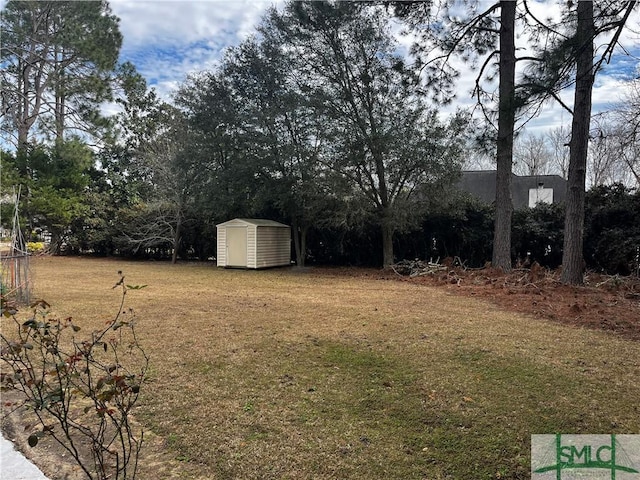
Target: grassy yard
286, 374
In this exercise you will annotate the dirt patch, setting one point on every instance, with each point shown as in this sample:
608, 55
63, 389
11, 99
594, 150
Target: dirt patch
50, 457
58, 464
610, 303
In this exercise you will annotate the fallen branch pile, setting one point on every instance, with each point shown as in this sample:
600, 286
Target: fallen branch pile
535, 279
451, 271
417, 268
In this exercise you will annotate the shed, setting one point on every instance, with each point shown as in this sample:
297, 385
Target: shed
253, 243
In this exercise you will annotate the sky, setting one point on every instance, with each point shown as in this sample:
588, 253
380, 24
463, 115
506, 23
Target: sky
169, 39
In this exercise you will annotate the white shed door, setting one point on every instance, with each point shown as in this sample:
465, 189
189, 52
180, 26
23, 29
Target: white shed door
236, 246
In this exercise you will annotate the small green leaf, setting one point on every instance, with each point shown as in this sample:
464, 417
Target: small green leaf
33, 440
75, 328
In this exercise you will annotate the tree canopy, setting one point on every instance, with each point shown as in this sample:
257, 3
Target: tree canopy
58, 58
319, 119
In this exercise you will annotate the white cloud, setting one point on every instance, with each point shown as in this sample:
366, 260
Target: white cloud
169, 39
160, 23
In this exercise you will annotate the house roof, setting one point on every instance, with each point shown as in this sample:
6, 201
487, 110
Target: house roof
258, 222
479, 183
482, 185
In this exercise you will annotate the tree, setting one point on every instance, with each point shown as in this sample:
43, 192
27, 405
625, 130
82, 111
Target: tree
174, 180
531, 155
258, 140
219, 139
55, 182
572, 258
619, 129
381, 137
121, 179
553, 59
57, 59
558, 140
279, 123
507, 107
603, 154
476, 35
58, 194
569, 59
613, 150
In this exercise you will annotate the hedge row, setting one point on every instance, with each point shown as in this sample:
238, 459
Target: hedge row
465, 229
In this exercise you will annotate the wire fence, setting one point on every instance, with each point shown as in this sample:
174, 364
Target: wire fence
16, 278
15, 275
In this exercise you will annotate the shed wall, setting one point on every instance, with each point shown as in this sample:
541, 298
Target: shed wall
251, 246
272, 247
221, 250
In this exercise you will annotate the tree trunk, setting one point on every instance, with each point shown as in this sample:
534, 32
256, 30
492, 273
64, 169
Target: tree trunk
59, 94
296, 242
20, 106
387, 241
23, 119
299, 242
504, 144
31, 84
303, 246
60, 112
572, 255
176, 239
55, 245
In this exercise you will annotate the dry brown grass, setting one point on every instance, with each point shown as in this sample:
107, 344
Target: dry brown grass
302, 374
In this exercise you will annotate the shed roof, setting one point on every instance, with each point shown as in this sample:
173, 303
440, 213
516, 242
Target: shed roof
258, 222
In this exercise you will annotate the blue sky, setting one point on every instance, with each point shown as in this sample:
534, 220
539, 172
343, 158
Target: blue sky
169, 39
